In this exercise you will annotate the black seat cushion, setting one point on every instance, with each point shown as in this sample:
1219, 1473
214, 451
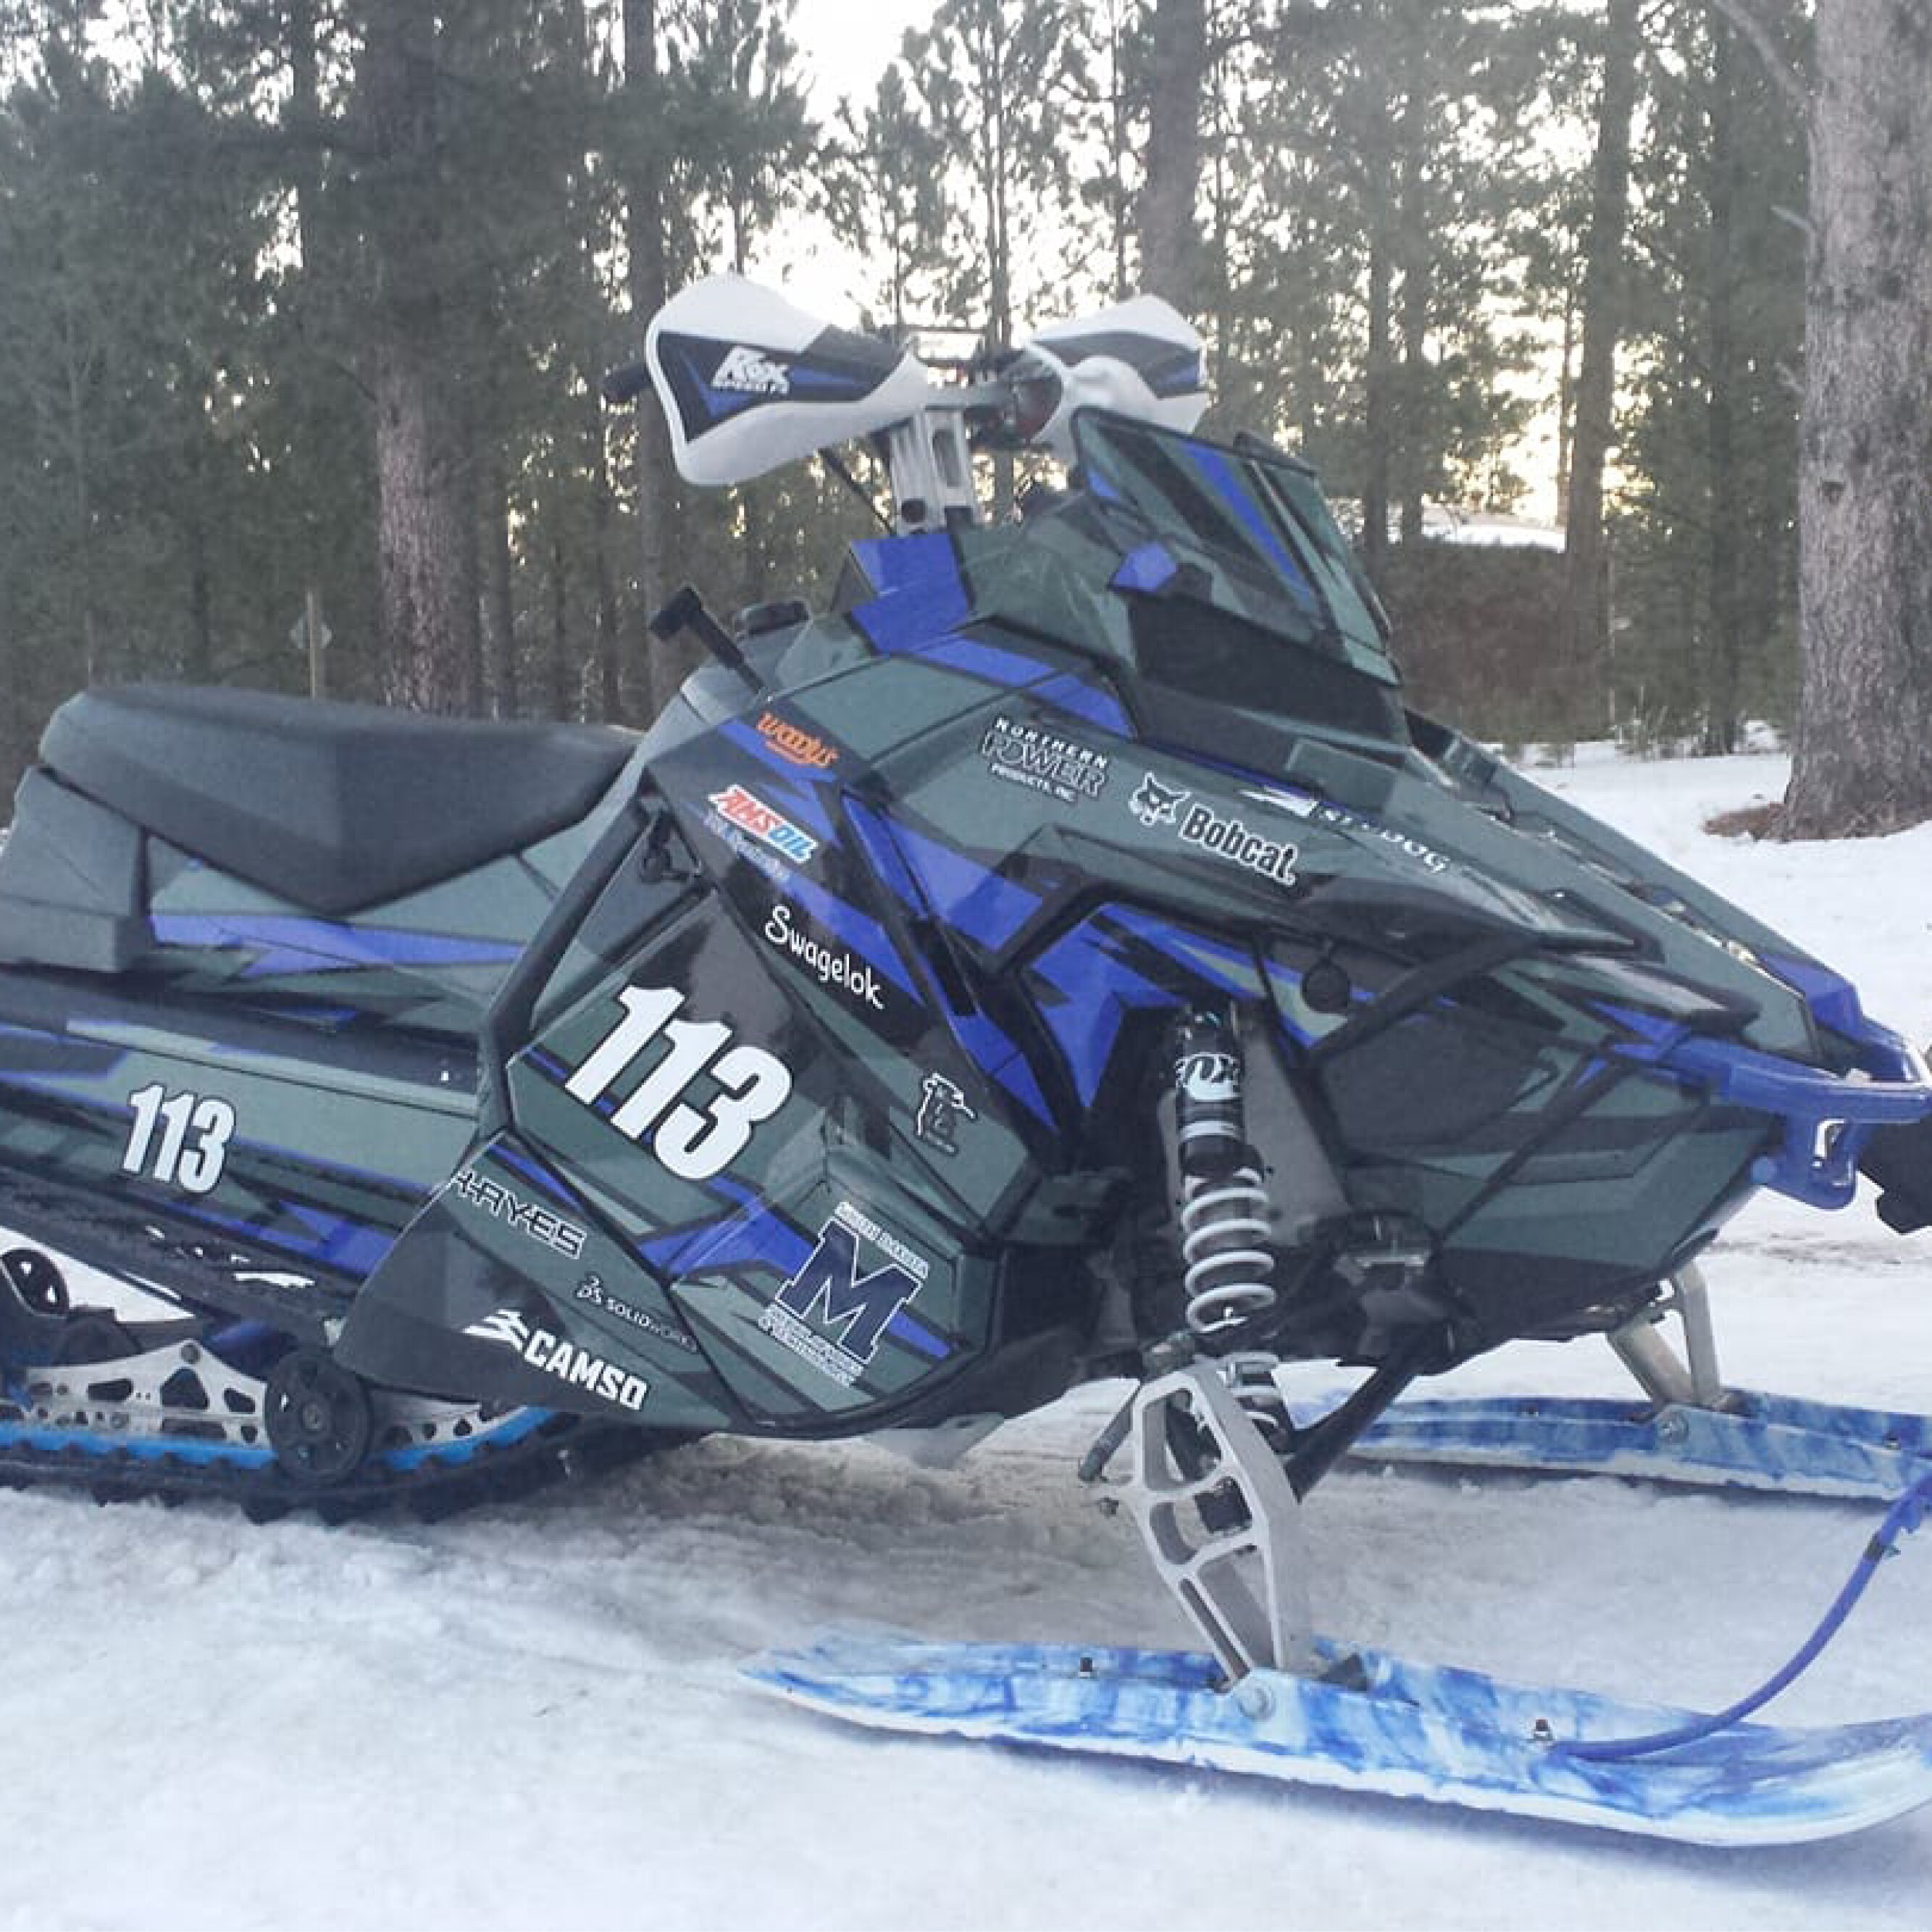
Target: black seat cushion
333, 806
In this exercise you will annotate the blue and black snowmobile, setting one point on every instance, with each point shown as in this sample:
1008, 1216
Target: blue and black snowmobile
1065, 958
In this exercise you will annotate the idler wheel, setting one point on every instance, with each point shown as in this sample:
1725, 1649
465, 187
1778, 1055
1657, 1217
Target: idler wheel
35, 1279
317, 1415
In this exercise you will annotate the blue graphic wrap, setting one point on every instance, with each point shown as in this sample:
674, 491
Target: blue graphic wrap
1098, 980
1147, 567
1228, 486
330, 1241
294, 942
1091, 702
1097, 988
985, 907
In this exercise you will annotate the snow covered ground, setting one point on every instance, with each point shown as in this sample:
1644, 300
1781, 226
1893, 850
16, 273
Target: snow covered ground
529, 1716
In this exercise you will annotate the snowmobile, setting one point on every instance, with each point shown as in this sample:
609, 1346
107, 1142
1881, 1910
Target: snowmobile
1066, 957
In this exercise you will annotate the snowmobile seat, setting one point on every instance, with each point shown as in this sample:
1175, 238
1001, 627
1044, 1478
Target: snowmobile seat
333, 807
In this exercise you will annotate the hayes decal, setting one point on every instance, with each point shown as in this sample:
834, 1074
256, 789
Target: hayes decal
1154, 803
564, 1359
751, 371
1272, 858
796, 744
830, 1315
747, 812
527, 1217
1024, 754
830, 965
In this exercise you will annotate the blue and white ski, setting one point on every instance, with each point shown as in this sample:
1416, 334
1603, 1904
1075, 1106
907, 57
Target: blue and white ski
1389, 1727
1768, 1442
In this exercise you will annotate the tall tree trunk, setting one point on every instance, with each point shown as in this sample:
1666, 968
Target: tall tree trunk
1177, 70
1585, 619
563, 677
1412, 429
431, 619
1864, 746
649, 290
1379, 404
1730, 608
609, 640
504, 694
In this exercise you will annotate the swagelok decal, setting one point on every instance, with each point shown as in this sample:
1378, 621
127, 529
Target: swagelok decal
830, 965
829, 1314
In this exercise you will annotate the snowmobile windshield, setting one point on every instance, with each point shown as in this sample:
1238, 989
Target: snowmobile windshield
1241, 588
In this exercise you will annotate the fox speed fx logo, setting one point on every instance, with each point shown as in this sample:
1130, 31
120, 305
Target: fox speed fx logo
829, 1313
568, 1363
751, 371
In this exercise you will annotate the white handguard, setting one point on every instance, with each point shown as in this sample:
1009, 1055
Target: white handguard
1140, 358
749, 381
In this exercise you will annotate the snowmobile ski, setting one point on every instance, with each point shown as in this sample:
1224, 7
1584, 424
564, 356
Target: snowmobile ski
1382, 1724
1763, 1442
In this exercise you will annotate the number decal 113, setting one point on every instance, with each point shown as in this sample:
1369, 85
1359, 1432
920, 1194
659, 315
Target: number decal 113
694, 1141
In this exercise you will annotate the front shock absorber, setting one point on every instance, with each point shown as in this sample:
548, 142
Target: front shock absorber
1228, 1269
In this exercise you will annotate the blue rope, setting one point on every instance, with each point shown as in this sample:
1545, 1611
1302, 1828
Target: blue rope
1901, 1519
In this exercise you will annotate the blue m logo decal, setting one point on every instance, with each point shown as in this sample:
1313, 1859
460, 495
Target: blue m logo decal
829, 1289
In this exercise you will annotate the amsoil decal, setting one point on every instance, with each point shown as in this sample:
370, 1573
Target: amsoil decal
796, 744
830, 965
829, 1313
1024, 754
751, 371
564, 1359
745, 812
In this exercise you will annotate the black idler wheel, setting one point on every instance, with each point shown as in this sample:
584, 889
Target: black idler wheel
318, 1417
35, 1279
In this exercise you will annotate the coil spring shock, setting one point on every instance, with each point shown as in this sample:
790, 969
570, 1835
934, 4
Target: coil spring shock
1227, 1267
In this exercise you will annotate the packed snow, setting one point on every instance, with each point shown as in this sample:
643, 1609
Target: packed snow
531, 1715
